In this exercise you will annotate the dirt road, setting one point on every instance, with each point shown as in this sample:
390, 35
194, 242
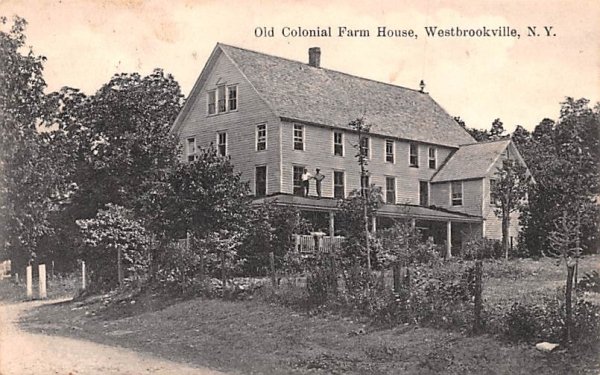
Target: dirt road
26, 353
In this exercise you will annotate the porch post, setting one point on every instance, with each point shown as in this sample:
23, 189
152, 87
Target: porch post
331, 223
413, 223
448, 239
373, 224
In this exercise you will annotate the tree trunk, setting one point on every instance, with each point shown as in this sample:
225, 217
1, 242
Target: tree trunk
477, 323
120, 266
568, 307
366, 218
505, 225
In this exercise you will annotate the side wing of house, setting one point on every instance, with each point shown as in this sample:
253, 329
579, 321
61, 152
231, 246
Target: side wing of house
225, 111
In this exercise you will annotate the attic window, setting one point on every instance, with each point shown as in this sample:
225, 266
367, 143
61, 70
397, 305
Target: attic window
222, 99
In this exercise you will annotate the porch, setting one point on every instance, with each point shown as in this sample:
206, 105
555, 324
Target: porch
447, 228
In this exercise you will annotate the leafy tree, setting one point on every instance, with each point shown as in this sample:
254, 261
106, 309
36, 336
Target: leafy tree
497, 130
479, 135
30, 180
509, 194
352, 222
116, 247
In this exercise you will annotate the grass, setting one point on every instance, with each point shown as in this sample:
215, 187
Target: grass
254, 337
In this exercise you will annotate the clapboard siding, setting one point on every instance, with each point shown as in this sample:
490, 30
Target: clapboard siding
240, 125
471, 201
318, 153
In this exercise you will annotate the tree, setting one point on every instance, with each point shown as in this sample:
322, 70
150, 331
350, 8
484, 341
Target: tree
30, 181
114, 243
508, 194
362, 155
479, 135
497, 130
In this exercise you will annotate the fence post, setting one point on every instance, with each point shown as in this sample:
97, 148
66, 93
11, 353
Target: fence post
83, 275
396, 277
477, 323
223, 272
272, 269
42, 281
120, 266
29, 277
16, 278
52, 271
569, 301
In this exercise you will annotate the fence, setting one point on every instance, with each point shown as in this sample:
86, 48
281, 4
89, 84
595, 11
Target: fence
316, 242
5, 269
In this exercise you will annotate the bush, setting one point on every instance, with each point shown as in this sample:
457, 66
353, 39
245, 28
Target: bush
590, 282
482, 248
321, 282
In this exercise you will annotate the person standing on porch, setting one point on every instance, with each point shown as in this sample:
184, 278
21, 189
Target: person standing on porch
306, 182
319, 178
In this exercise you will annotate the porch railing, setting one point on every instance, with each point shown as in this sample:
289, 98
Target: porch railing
306, 243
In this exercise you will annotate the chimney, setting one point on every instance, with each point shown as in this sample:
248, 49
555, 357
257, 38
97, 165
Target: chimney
314, 57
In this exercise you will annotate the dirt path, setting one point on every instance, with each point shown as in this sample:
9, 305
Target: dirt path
26, 353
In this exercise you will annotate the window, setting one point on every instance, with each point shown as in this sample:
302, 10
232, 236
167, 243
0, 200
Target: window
298, 137
364, 147
339, 189
298, 188
191, 149
390, 190
232, 97
432, 158
223, 99
222, 143
389, 150
456, 193
260, 187
413, 158
338, 143
424, 193
493, 184
364, 185
261, 137
212, 99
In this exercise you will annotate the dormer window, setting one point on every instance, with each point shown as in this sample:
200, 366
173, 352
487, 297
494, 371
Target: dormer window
222, 99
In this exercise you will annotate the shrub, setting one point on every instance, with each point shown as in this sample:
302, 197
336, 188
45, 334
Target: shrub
590, 282
321, 282
482, 248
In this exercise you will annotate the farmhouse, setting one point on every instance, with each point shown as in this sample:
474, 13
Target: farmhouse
276, 117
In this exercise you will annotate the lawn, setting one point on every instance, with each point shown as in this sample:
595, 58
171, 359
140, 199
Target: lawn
252, 337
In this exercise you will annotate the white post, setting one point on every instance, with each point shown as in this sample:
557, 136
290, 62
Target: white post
413, 223
374, 224
331, 224
42, 281
83, 275
29, 283
448, 239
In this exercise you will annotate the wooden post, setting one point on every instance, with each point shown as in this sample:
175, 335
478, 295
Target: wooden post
448, 239
201, 276
120, 266
568, 307
374, 223
52, 270
42, 281
297, 244
29, 277
331, 224
477, 323
223, 270
396, 277
83, 275
272, 269
16, 278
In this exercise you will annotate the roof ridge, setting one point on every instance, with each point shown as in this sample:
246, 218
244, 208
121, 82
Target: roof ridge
485, 142
327, 69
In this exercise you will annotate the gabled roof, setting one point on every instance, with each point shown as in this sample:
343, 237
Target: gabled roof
299, 92
471, 161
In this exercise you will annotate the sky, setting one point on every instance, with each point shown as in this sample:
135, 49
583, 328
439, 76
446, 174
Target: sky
521, 81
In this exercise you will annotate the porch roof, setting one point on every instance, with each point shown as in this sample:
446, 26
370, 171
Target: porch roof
388, 210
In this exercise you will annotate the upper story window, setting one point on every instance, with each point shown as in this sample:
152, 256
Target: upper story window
413, 155
456, 191
493, 184
389, 150
338, 143
191, 149
339, 189
390, 190
364, 147
298, 137
432, 158
222, 143
364, 185
261, 137
222, 99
